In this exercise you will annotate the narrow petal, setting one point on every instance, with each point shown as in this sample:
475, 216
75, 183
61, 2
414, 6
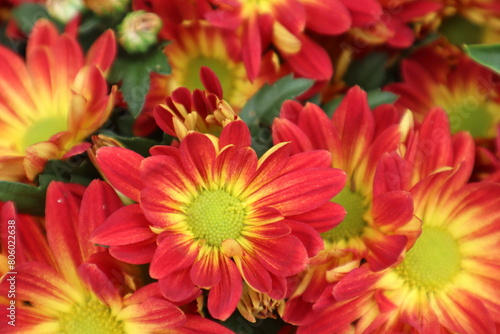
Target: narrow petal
100, 285
62, 210
125, 226
98, 203
205, 272
198, 158
175, 252
224, 297
323, 218
235, 133
309, 237
284, 256
121, 168
178, 287
151, 316
253, 272
138, 253
103, 52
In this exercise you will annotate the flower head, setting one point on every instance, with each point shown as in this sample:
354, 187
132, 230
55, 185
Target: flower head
447, 281
51, 103
74, 286
440, 75
210, 214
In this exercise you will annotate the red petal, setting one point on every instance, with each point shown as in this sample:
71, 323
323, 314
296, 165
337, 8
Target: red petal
234, 169
323, 218
125, 226
138, 253
198, 158
283, 257
121, 168
175, 252
319, 18
102, 53
392, 210
251, 48
224, 297
300, 191
254, 273
210, 81
205, 272
312, 61
284, 130
154, 315
384, 250
100, 285
98, 203
309, 237
197, 324
178, 287
62, 210
235, 133
356, 283
462, 312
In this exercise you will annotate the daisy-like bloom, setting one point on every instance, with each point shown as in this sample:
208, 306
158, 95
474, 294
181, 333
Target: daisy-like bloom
448, 281
379, 221
51, 103
193, 46
201, 111
282, 24
75, 286
210, 214
378, 224
442, 75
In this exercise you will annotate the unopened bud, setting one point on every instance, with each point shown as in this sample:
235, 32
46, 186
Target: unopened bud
64, 10
138, 31
107, 7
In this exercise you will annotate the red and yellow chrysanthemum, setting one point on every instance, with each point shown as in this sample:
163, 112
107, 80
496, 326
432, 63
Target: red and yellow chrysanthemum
282, 24
441, 75
195, 45
210, 214
448, 281
357, 139
201, 111
69, 285
51, 103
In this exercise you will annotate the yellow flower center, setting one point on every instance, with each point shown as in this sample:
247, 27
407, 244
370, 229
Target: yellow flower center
473, 117
192, 78
42, 130
93, 317
215, 216
432, 262
353, 224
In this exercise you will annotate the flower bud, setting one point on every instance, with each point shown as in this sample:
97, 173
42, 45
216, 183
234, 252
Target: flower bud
64, 10
138, 31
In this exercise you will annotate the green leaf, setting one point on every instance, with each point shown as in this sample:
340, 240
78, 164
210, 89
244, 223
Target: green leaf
27, 199
133, 71
368, 72
27, 14
137, 144
376, 97
486, 55
265, 105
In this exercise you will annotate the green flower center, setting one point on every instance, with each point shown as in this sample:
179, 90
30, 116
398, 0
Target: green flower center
42, 130
474, 118
432, 262
353, 224
93, 317
215, 216
220, 68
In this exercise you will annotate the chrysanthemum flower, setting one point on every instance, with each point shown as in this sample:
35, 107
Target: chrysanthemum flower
441, 75
51, 103
197, 44
201, 111
448, 281
78, 287
282, 24
378, 224
210, 214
